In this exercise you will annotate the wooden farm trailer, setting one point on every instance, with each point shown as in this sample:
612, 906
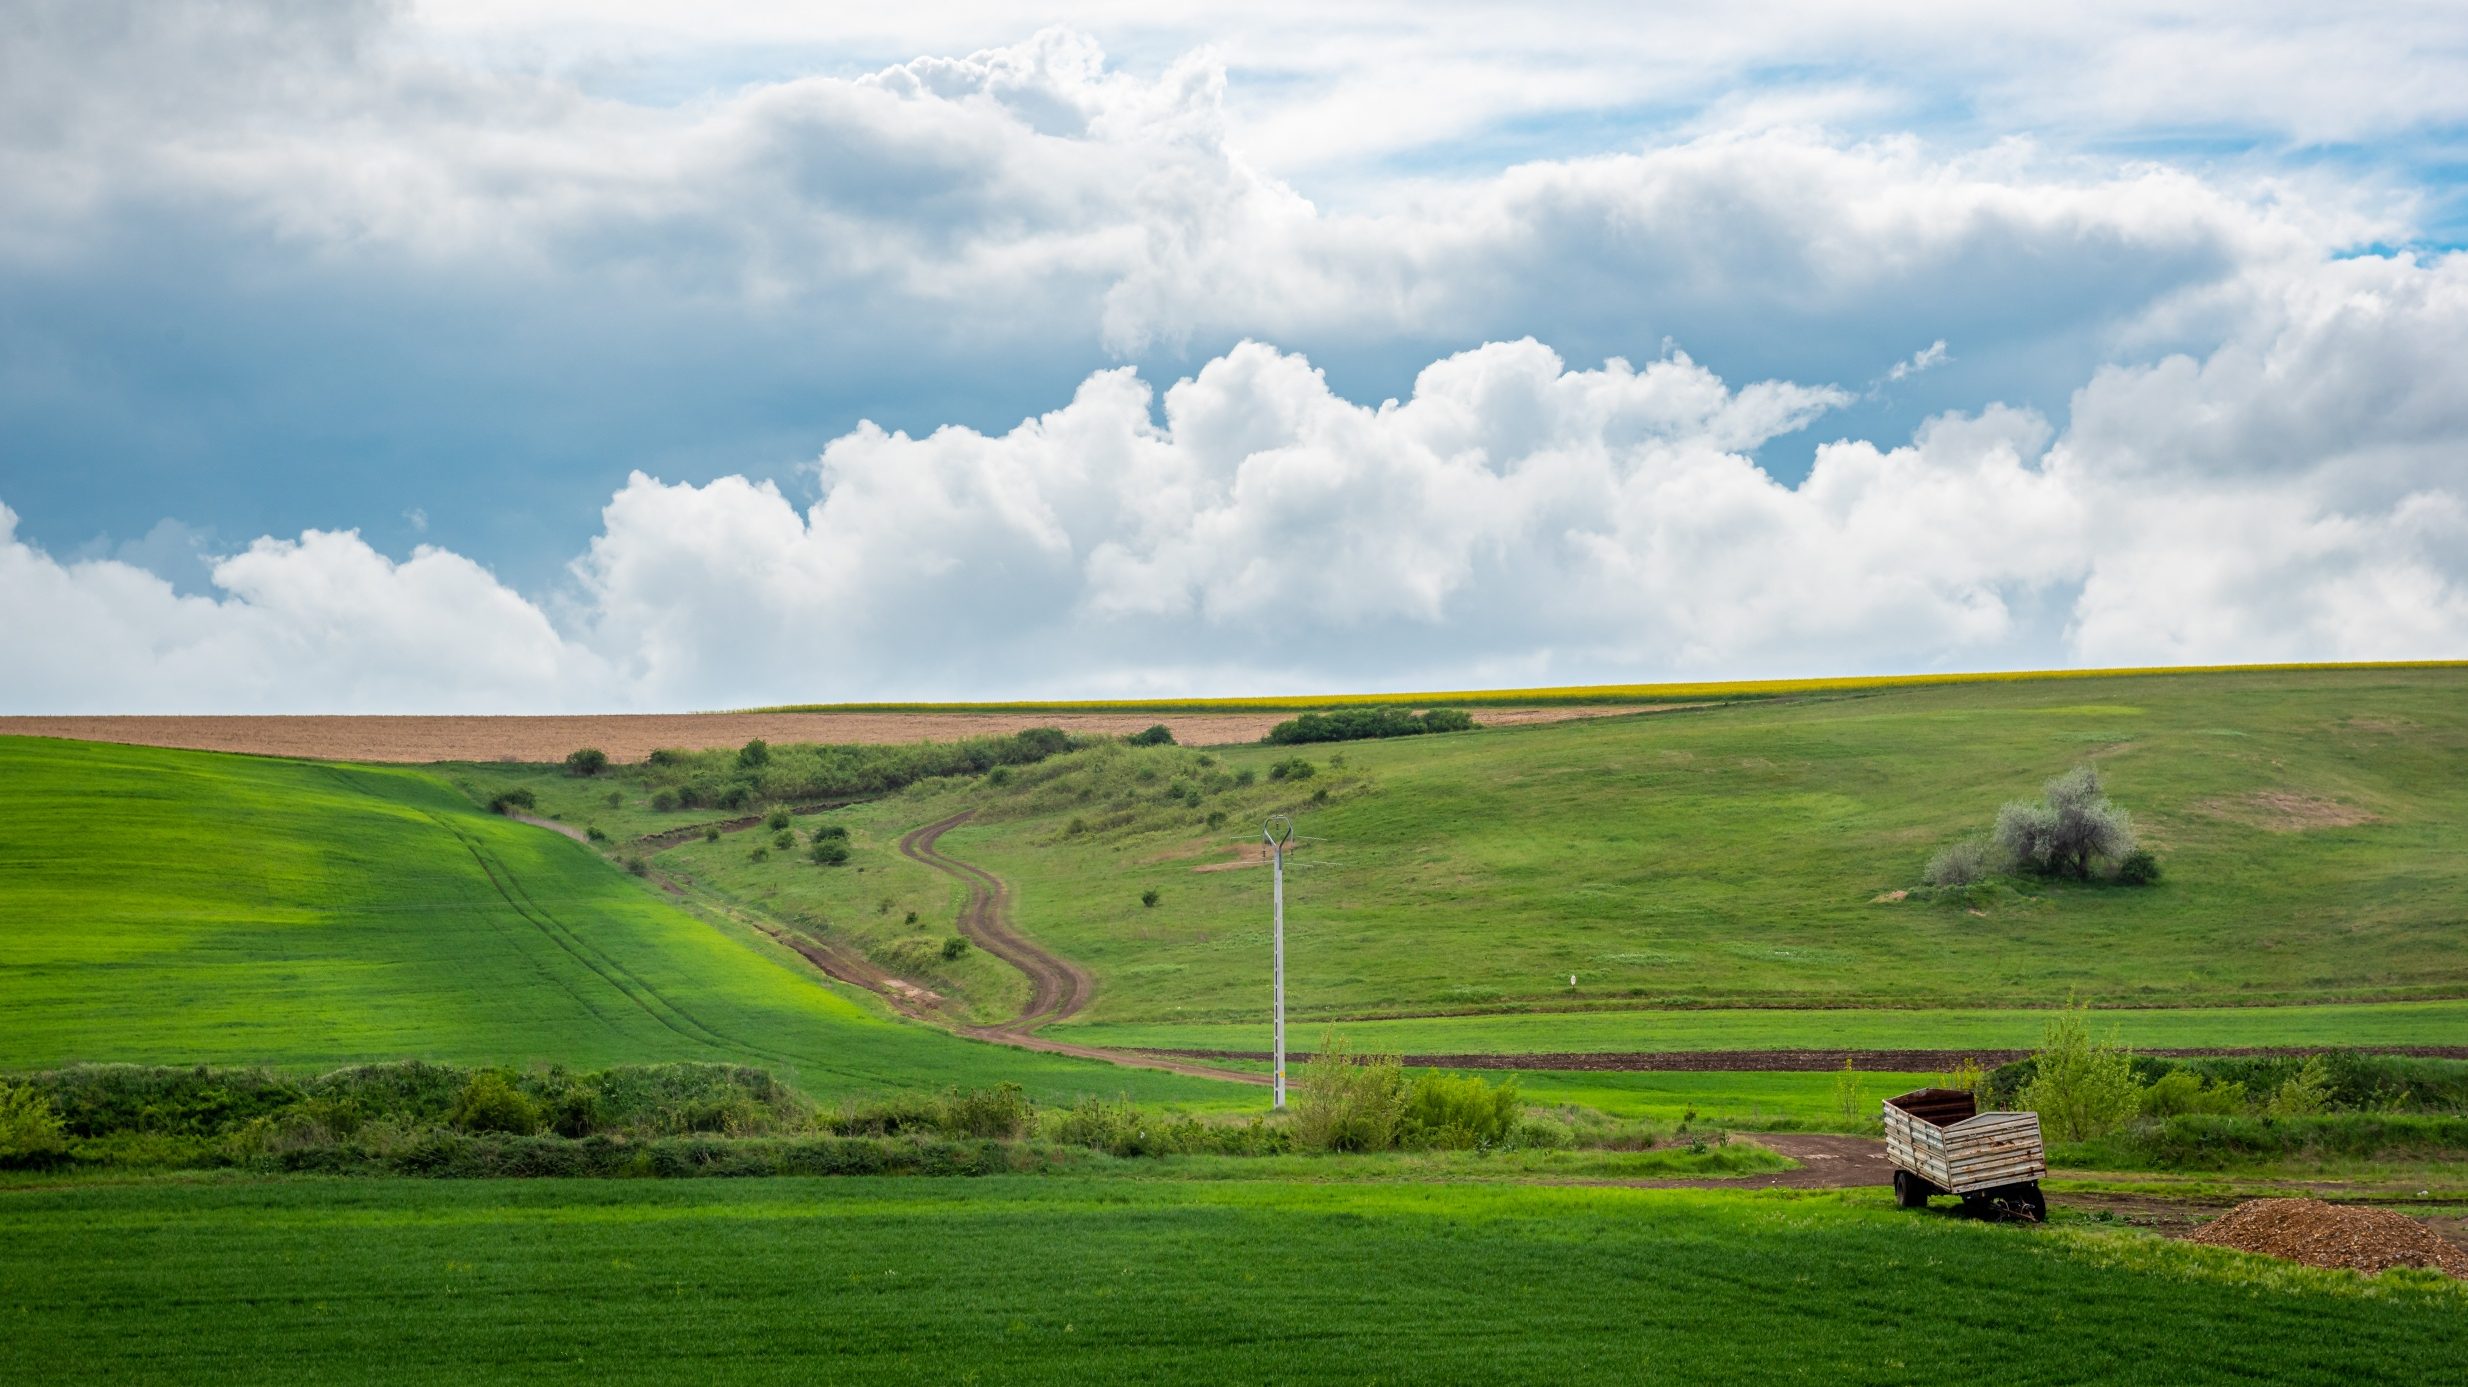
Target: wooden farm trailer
1941, 1143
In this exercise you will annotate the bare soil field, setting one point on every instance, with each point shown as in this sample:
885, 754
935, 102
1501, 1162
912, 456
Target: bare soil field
633, 736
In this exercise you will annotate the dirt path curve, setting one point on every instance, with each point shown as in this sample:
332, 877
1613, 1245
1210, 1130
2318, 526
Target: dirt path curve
1057, 987
1827, 1162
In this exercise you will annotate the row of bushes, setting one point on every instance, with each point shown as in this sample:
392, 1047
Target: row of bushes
759, 773
1363, 724
2215, 1141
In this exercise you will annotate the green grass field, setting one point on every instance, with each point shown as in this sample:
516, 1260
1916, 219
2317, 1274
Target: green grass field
2314, 826
183, 907
1612, 1032
1067, 1280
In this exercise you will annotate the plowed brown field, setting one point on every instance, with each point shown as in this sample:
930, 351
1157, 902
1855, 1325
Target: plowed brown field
633, 736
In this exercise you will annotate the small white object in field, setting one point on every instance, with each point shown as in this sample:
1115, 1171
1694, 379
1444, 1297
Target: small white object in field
1572, 980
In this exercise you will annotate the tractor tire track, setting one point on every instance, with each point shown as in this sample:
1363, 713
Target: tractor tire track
1057, 987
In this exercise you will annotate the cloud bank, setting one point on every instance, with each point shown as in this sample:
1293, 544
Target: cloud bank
1513, 520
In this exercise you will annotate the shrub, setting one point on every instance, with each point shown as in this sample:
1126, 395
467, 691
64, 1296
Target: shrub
616, 799
1150, 897
588, 760
665, 801
2304, 1093
998, 777
784, 840
1216, 818
827, 833
32, 1135
1850, 1106
594, 834
1076, 827
1357, 724
1960, 865
759, 853
2063, 833
1292, 768
1320, 795
777, 819
2181, 1092
1000, 1113
1156, 735
1349, 1102
507, 801
953, 947
1452, 1112
754, 755
488, 1103
638, 866
712, 834
2138, 868
829, 852
2081, 1087
1246, 777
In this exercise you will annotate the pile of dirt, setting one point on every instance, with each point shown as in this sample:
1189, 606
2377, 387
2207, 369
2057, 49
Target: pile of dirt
2332, 1235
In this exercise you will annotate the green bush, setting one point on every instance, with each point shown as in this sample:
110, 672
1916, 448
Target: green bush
588, 760
638, 866
952, 947
778, 819
830, 832
2139, 868
1292, 768
784, 840
595, 834
507, 801
490, 1104
2081, 1087
2181, 1092
1349, 1102
665, 801
829, 852
712, 834
759, 853
32, 1136
1157, 734
1002, 1113
1150, 897
616, 799
1451, 1112
2304, 1093
1358, 724
754, 755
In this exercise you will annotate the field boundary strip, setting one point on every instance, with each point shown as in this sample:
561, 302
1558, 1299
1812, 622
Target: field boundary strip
1601, 693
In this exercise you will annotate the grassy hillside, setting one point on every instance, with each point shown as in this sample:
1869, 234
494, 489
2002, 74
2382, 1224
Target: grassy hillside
1058, 1280
2314, 827
178, 907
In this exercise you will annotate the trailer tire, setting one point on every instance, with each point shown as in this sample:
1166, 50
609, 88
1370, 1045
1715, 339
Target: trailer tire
1910, 1191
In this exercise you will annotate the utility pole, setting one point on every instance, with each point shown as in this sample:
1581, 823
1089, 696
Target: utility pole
1278, 831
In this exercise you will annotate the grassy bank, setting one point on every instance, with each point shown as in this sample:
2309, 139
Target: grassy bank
187, 907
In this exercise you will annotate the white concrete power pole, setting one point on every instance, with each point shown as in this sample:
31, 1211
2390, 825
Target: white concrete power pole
1278, 831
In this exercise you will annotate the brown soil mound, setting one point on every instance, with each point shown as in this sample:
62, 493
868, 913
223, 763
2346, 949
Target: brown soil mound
2332, 1235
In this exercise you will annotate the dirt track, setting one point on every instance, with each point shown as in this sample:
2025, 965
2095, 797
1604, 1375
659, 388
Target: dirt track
633, 736
1792, 1061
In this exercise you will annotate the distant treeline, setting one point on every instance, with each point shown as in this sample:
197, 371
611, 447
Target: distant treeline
759, 773
1363, 724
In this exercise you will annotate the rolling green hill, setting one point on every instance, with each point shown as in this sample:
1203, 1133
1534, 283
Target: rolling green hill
187, 907
2313, 824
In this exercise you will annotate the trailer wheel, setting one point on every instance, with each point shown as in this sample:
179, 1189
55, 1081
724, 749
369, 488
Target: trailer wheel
1910, 1191
2032, 1202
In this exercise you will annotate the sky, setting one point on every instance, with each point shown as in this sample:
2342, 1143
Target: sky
535, 355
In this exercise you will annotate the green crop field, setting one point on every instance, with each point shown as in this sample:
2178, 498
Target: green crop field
184, 907
1623, 1031
1070, 1280
2313, 825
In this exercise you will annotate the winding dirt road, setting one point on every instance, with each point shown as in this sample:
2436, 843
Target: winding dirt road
1057, 987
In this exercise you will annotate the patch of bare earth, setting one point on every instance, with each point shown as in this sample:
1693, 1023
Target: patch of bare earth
634, 736
2284, 811
2332, 1235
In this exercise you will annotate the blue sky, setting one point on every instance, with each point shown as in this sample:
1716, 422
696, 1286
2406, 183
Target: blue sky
393, 357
